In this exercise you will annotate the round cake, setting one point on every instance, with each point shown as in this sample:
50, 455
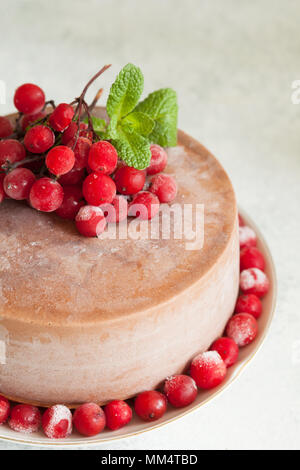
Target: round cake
86, 320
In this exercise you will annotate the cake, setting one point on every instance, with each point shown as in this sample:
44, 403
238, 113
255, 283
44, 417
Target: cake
92, 320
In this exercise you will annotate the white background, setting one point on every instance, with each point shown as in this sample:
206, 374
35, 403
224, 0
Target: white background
233, 64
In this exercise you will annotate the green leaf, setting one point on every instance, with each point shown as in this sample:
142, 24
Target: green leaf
99, 125
139, 122
161, 106
125, 92
133, 148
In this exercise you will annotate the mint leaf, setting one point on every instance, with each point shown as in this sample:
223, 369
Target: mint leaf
139, 122
133, 148
125, 92
99, 125
161, 106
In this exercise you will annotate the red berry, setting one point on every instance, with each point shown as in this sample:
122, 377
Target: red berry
29, 98
2, 193
61, 117
103, 157
74, 176
60, 160
228, 350
71, 131
241, 221
57, 422
254, 281
180, 390
118, 413
11, 151
18, 182
30, 119
81, 151
208, 369
4, 409
73, 201
247, 236
89, 419
98, 189
39, 139
90, 221
159, 160
242, 328
116, 211
249, 303
151, 405
251, 257
25, 418
129, 180
46, 195
144, 205
6, 129
164, 187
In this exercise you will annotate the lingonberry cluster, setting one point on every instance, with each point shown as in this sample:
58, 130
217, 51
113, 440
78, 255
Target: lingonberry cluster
55, 161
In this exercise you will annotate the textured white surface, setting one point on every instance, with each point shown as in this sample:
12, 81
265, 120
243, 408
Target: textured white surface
233, 64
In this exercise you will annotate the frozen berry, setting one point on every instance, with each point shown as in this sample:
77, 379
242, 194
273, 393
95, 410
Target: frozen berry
118, 413
4, 409
81, 151
208, 369
228, 350
18, 182
164, 187
57, 422
72, 202
129, 180
254, 281
249, 303
150, 406
46, 195
90, 221
60, 160
159, 160
98, 189
2, 193
30, 119
89, 419
242, 328
180, 390
251, 257
103, 157
144, 205
11, 151
61, 117
29, 98
6, 129
25, 418
74, 176
116, 211
39, 139
247, 236
71, 131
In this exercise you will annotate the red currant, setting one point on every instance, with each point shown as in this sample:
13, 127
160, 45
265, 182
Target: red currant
39, 139
116, 211
254, 281
180, 390
151, 405
71, 131
74, 176
18, 182
2, 193
4, 409
73, 201
129, 180
6, 129
60, 160
61, 117
57, 422
208, 370
144, 205
11, 151
29, 98
98, 189
89, 419
242, 328
164, 187
159, 160
25, 418
249, 303
118, 413
81, 151
247, 236
30, 119
103, 157
251, 257
46, 195
90, 221
228, 350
